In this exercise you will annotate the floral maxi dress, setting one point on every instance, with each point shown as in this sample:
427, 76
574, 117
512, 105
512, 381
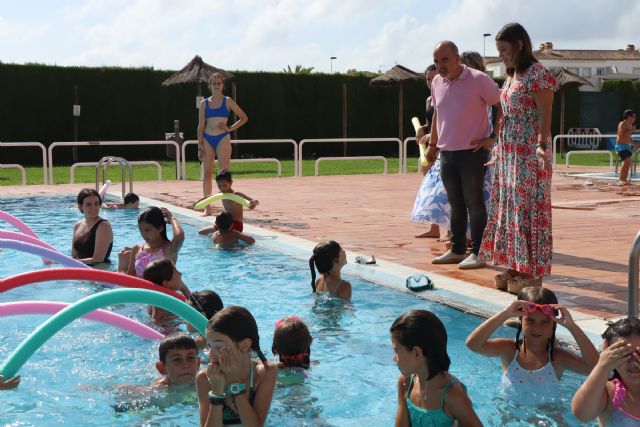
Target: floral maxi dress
518, 231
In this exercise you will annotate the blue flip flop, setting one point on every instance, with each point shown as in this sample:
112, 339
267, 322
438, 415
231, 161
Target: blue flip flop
419, 282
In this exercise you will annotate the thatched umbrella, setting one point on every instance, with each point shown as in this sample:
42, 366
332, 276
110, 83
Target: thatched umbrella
566, 79
195, 71
397, 75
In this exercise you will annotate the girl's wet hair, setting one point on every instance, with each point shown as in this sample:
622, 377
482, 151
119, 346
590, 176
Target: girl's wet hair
424, 329
154, 216
237, 323
159, 271
513, 33
537, 295
623, 328
324, 256
292, 342
86, 192
206, 302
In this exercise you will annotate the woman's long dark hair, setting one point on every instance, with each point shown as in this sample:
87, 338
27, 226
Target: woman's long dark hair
154, 216
324, 255
513, 33
237, 323
537, 295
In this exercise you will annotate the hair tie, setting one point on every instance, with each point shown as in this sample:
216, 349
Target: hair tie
292, 318
293, 356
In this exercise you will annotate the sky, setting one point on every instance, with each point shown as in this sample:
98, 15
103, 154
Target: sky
269, 35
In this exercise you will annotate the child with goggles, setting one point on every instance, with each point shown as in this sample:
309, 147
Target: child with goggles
533, 365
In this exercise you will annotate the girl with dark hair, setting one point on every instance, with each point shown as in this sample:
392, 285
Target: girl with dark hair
533, 365
431, 396
613, 400
518, 231
292, 343
235, 389
329, 258
92, 236
164, 273
153, 228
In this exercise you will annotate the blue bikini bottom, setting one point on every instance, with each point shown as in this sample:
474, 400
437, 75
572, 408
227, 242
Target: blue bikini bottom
214, 140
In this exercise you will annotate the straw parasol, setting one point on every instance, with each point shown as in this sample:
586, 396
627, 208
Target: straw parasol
195, 71
397, 75
566, 79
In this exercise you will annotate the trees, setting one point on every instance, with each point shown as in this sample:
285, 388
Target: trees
299, 69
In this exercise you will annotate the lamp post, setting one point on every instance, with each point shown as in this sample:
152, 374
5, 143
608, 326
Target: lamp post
484, 44
331, 59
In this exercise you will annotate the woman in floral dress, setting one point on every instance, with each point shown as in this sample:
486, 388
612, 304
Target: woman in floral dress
518, 231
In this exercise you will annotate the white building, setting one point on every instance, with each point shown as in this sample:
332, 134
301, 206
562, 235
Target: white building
593, 65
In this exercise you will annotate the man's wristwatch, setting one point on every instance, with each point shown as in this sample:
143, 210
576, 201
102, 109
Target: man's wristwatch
236, 389
542, 145
217, 399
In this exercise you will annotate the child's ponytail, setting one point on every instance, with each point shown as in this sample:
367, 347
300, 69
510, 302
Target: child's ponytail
313, 272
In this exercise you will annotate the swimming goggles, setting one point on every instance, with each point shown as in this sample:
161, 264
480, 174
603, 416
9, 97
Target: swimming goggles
197, 304
546, 309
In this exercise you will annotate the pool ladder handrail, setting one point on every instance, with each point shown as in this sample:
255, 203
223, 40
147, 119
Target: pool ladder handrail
124, 165
634, 265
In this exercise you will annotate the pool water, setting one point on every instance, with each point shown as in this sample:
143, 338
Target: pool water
71, 380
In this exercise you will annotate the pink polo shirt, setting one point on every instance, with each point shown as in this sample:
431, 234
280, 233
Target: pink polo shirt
461, 107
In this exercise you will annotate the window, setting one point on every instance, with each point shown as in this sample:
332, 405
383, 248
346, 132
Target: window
636, 70
602, 70
586, 72
574, 70
554, 70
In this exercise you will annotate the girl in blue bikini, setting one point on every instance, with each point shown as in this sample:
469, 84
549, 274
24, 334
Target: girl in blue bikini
214, 134
428, 395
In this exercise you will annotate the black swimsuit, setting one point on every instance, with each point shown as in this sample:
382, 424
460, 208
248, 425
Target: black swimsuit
85, 244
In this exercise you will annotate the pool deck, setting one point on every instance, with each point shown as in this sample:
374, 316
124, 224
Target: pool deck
594, 224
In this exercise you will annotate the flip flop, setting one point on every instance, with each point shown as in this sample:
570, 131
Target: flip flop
419, 282
364, 260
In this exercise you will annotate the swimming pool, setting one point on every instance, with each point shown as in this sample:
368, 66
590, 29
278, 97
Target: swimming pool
71, 379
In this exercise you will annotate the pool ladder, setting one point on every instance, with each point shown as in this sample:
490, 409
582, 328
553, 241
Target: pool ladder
634, 265
124, 165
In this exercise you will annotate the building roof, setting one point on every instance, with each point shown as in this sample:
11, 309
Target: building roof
546, 51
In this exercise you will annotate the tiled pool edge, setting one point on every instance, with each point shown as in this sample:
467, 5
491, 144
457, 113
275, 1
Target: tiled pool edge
455, 293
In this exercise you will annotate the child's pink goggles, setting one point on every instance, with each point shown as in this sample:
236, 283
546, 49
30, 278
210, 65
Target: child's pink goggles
546, 309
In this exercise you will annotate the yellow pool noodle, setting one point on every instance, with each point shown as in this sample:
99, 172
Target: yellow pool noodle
423, 149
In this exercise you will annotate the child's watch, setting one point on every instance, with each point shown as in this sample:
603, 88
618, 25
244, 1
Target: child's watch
236, 389
217, 399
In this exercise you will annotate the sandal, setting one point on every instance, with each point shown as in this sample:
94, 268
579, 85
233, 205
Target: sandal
516, 284
501, 280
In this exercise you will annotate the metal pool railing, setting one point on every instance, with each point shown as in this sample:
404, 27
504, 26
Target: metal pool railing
558, 137
45, 176
16, 166
634, 265
72, 171
569, 153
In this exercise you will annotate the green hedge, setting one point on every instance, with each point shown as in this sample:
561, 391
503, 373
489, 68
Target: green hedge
629, 93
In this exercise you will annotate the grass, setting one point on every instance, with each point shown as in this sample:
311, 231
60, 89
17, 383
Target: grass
249, 170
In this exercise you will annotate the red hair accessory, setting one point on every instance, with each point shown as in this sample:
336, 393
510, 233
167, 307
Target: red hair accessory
279, 322
293, 356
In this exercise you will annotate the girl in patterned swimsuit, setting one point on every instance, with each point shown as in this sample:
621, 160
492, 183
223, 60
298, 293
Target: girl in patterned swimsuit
534, 365
234, 389
157, 245
428, 395
614, 402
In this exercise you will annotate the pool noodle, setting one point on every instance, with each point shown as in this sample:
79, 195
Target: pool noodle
103, 189
13, 235
103, 316
51, 326
108, 277
7, 217
42, 251
228, 196
423, 149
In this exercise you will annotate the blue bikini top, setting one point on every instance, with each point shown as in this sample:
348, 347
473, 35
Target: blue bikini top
221, 111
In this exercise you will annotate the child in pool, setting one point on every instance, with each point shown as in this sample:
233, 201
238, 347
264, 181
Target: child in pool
153, 229
208, 303
428, 395
235, 389
329, 258
178, 361
226, 235
532, 366
224, 182
131, 201
614, 402
163, 273
292, 343
10, 383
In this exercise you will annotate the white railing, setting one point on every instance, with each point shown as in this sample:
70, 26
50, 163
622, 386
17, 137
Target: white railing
350, 140
45, 176
384, 159
72, 171
111, 143
19, 167
554, 147
248, 141
261, 160
405, 156
569, 153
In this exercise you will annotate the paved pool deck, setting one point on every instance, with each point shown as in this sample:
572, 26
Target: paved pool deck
594, 224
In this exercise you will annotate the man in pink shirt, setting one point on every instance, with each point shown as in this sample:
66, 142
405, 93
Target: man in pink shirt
461, 97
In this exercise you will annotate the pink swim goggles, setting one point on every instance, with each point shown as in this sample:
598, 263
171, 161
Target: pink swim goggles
546, 309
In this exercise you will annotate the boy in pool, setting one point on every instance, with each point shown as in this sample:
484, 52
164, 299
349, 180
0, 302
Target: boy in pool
224, 182
226, 234
131, 201
179, 362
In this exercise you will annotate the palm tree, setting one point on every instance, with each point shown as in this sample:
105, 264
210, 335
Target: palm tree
298, 70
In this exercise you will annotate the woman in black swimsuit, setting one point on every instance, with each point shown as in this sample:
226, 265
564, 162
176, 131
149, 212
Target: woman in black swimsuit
92, 236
